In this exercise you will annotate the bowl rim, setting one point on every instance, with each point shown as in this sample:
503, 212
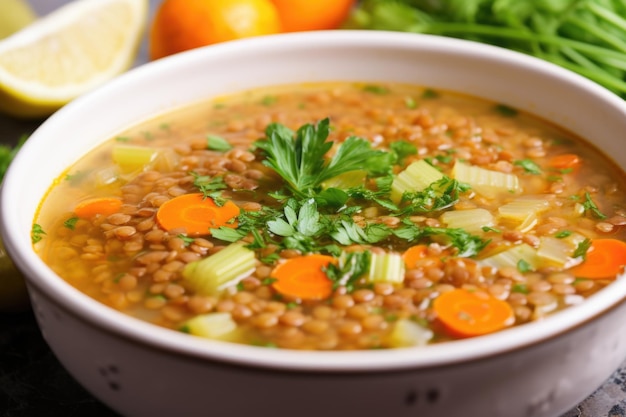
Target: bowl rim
136, 331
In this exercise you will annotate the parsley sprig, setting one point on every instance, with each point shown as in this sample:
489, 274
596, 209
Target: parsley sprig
300, 158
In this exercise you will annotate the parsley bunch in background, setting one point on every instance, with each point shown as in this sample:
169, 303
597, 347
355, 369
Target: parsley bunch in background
585, 36
7, 153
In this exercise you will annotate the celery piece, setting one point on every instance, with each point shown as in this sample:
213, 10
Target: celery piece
166, 160
512, 256
560, 251
211, 275
133, 158
520, 208
386, 267
528, 223
471, 220
211, 325
106, 176
416, 177
486, 182
346, 180
556, 252
406, 333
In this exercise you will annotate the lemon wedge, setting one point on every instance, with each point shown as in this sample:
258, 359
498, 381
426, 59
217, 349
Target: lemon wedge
67, 53
14, 15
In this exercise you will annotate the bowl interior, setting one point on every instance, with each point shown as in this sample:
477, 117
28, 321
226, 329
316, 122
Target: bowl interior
492, 73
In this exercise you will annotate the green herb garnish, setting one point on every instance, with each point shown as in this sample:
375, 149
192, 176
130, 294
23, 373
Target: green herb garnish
528, 165
590, 206
218, 143
71, 223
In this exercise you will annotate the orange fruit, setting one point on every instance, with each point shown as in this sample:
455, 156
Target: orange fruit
180, 25
302, 15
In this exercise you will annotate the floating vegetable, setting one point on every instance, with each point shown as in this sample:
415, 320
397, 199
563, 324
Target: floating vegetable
468, 313
196, 214
605, 258
304, 277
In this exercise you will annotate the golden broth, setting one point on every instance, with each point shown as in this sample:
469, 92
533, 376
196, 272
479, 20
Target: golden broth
128, 261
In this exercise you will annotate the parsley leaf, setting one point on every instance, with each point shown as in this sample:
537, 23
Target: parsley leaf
528, 165
7, 153
300, 159
439, 195
401, 149
589, 205
467, 245
582, 248
346, 232
37, 233
207, 184
71, 223
349, 268
218, 143
505, 110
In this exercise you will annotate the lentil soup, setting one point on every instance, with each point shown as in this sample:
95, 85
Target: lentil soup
338, 216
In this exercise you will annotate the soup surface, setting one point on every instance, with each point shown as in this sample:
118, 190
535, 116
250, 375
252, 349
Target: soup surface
338, 216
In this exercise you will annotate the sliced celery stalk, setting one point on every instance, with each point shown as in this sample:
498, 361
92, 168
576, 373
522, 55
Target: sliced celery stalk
555, 251
211, 325
346, 180
519, 208
560, 252
416, 177
386, 267
106, 176
486, 182
166, 160
211, 275
407, 333
528, 223
471, 220
512, 256
133, 158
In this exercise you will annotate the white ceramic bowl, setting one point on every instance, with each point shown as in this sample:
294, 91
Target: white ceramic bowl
539, 369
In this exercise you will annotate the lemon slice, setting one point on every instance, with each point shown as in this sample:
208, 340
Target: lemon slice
14, 15
67, 53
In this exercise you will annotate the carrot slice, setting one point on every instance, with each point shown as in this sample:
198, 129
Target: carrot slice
303, 277
106, 206
605, 259
196, 213
414, 254
564, 161
467, 313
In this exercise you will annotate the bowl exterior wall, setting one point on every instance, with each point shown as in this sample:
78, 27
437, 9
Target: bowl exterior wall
544, 380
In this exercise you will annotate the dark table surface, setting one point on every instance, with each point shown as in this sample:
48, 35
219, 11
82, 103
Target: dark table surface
33, 383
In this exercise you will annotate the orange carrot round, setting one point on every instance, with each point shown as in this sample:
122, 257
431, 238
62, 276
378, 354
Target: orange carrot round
605, 259
564, 161
196, 214
414, 254
303, 277
467, 313
105, 206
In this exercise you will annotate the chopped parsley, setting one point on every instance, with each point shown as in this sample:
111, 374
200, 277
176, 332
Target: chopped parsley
529, 166
376, 89
218, 143
71, 223
505, 110
582, 248
37, 233
429, 93
590, 206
